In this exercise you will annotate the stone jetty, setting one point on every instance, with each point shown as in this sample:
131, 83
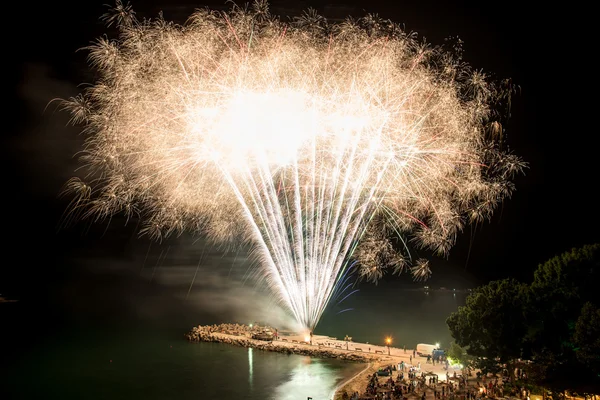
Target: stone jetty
242, 335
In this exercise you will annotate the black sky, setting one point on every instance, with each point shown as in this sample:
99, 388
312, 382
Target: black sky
553, 209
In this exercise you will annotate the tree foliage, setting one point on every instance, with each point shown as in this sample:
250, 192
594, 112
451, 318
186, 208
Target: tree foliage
554, 321
491, 324
561, 288
459, 354
587, 337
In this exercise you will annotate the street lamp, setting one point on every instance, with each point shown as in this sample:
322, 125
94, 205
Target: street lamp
388, 341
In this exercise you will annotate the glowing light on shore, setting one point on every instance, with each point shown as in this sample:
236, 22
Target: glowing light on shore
311, 141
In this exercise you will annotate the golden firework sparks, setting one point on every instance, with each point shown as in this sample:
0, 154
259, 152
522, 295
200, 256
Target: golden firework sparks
295, 137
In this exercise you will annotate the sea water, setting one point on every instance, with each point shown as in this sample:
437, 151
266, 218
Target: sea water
120, 363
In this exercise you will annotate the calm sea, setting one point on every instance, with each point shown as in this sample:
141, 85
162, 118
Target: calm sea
97, 358
127, 363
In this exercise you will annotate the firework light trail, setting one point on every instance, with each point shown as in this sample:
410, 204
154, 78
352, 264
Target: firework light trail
311, 141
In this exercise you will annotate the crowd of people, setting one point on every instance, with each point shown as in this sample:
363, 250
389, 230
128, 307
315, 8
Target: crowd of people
411, 383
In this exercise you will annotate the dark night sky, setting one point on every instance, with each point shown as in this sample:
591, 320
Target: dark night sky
553, 209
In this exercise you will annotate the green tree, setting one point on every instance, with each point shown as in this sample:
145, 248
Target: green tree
559, 289
491, 325
459, 354
564, 294
553, 322
587, 337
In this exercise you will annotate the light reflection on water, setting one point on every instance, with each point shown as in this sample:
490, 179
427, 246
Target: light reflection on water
309, 378
250, 375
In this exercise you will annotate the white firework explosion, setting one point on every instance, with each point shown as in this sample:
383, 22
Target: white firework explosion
296, 137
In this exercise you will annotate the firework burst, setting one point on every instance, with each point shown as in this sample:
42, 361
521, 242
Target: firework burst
308, 140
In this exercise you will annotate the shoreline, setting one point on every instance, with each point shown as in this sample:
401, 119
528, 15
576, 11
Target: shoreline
373, 356
322, 347
345, 384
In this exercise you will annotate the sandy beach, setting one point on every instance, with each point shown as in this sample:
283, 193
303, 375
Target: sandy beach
380, 357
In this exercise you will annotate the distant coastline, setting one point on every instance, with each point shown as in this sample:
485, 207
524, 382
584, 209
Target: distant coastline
5, 300
443, 289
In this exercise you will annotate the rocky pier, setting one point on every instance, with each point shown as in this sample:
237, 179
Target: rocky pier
242, 335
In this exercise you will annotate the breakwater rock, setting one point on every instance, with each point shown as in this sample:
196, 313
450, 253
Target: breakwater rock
241, 335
